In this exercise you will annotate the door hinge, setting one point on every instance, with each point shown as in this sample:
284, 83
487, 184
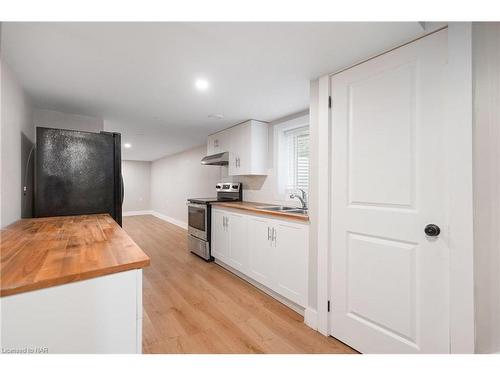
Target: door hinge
329, 102
328, 306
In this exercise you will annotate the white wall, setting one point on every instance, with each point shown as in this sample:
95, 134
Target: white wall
486, 70
178, 177
17, 137
137, 185
60, 120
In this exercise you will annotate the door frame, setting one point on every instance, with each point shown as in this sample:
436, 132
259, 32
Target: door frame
458, 133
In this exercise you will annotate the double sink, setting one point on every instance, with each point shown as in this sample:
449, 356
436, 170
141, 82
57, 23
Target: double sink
292, 210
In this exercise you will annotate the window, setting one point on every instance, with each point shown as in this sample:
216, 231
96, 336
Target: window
291, 142
298, 158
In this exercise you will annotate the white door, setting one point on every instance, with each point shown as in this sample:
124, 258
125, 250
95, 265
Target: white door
238, 253
260, 252
291, 260
389, 284
220, 239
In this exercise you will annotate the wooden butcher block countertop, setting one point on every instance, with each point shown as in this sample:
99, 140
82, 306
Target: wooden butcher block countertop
43, 252
256, 207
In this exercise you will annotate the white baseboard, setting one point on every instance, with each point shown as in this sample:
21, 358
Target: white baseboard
311, 318
170, 220
166, 218
136, 213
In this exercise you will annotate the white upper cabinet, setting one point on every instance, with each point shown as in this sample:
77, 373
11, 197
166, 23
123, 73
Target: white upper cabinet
247, 144
218, 142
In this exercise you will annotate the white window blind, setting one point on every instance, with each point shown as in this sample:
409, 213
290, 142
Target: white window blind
298, 158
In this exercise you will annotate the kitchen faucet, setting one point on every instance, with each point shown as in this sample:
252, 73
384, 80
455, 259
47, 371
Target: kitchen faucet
303, 198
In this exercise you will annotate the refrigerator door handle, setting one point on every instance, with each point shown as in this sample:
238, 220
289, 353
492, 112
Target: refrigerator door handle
123, 189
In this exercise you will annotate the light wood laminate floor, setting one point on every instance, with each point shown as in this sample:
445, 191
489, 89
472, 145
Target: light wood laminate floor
191, 306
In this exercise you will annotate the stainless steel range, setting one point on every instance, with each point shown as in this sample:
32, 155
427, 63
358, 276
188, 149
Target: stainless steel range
199, 217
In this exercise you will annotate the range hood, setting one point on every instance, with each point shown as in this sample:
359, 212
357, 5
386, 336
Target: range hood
216, 159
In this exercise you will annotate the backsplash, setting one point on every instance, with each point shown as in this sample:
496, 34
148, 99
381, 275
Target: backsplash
258, 188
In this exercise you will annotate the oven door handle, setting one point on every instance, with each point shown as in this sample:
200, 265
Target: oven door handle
196, 205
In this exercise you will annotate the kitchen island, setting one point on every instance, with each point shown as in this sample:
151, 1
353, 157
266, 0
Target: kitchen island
70, 284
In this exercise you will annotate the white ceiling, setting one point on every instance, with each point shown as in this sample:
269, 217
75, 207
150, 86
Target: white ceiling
139, 77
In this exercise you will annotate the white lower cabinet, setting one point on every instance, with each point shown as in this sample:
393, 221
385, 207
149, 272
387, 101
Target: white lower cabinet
220, 236
228, 230
261, 257
291, 242
238, 253
270, 251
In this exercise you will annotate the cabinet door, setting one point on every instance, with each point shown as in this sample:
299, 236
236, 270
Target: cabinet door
291, 243
237, 230
244, 135
220, 239
211, 143
260, 252
235, 144
218, 142
223, 140
248, 149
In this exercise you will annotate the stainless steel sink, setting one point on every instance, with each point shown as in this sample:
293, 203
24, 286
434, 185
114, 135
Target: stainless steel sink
276, 208
298, 211
294, 210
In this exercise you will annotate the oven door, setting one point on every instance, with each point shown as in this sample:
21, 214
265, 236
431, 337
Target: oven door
198, 220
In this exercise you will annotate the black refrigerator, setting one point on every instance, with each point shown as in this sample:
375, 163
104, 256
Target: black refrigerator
77, 173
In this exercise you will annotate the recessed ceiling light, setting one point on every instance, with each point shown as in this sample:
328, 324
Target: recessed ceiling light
127, 145
216, 116
201, 84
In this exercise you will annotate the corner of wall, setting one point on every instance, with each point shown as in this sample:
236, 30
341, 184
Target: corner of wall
17, 137
311, 318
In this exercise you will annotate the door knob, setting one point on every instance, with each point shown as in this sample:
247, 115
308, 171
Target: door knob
432, 230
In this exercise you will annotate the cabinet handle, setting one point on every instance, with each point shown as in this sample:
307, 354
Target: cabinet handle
224, 222
274, 237
268, 234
